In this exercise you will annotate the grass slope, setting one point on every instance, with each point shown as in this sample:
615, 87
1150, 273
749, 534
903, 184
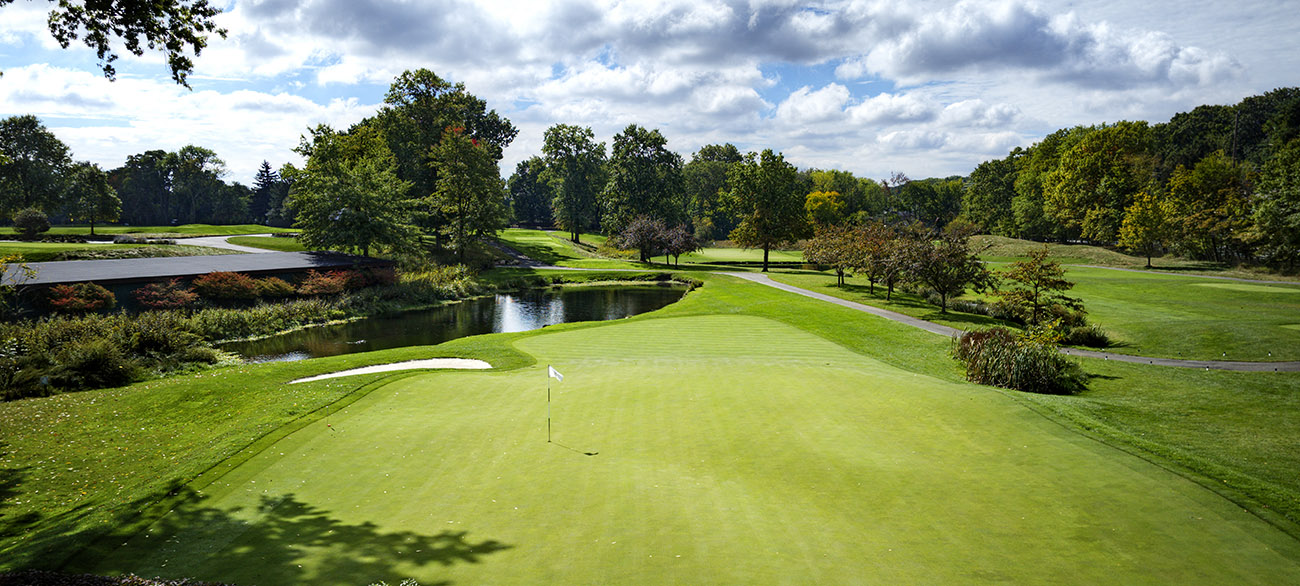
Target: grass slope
269, 243
794, 460
1003, 249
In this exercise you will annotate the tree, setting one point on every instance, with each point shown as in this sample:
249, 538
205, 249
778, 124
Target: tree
1036, 285
836, 246
1097, 178
1032, 171
705, 180
530, 195
678, 241
90, 198
29, 222
824, 208
932, 201
766, 196
197, 187
169, 26
645, 179
469, 192
645, 234
33, 163
947, 265
1276, 221
988, 196
264, 188
348, 196
574, 170
144, 186
418, 107
1212, 203
1147, 224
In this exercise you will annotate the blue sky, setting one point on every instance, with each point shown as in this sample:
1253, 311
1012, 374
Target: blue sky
928, 88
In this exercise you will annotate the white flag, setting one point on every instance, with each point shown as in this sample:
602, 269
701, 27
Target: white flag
555, 373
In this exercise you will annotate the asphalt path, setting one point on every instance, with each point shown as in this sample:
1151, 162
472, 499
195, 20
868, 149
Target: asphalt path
223, 243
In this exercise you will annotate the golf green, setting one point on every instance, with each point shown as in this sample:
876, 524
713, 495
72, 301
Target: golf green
727, 449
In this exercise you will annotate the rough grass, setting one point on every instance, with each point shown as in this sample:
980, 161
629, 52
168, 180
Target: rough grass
269, 243
1003, 249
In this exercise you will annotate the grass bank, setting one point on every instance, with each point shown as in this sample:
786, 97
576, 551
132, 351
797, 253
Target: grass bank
280, 244
56, 251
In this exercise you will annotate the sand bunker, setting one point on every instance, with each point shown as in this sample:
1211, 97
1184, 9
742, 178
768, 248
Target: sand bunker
460, 363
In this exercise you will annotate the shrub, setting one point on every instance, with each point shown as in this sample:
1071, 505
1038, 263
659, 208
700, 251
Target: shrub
1000, 357
1091, 336
228, 324
94, 363
79, 298
128, 239
168, 295
274, 288
226, 285
28, 222
316, 283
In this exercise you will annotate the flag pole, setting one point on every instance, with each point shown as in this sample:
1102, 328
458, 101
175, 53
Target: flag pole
548, 403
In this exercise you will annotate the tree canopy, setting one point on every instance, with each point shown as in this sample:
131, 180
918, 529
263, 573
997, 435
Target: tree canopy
766, 195
171, 27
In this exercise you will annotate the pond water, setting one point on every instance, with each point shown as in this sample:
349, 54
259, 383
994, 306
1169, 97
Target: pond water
514, 312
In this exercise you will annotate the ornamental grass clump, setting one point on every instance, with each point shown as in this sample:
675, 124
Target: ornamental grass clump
1024, 362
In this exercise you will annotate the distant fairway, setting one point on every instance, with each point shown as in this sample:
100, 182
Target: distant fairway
732, 449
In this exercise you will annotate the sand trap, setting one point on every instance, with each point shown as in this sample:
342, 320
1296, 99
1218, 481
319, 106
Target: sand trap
461, 363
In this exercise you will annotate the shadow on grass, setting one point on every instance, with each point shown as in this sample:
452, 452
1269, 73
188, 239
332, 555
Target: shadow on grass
282, 541
10, 480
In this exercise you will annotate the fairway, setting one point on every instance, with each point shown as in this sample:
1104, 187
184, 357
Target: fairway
730, 449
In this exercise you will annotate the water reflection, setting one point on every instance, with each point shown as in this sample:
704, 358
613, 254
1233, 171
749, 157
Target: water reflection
515, 312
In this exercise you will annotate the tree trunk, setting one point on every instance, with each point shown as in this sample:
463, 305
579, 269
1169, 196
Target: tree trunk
765, 258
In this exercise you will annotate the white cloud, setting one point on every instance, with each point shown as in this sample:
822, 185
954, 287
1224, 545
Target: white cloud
810, 107
130, 116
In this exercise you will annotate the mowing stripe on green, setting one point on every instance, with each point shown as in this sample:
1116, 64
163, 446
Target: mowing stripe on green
730, 449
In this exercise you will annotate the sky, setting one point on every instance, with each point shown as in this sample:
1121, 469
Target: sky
926, 88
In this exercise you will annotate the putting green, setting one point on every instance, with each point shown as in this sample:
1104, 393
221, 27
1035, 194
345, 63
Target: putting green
730, 449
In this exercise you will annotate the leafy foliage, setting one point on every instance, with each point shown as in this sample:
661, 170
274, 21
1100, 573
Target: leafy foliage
226, 286
33, 163
575, 172
838, 247
766, 196
947, 265
348, 196
645, 234
644, 179
1036, 286
468, 193
29, 222
79, 298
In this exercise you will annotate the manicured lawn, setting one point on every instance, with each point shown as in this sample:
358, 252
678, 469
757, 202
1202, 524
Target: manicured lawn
269, 243
760, 436
554, 248
796, 460
717, 254
181, 230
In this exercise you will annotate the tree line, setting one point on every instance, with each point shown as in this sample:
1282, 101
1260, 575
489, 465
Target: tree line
1218, 183
156, 187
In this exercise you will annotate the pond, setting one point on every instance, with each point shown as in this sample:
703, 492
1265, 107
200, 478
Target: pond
514, 312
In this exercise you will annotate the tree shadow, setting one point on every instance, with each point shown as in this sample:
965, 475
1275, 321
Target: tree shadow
283, 540
11, 478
